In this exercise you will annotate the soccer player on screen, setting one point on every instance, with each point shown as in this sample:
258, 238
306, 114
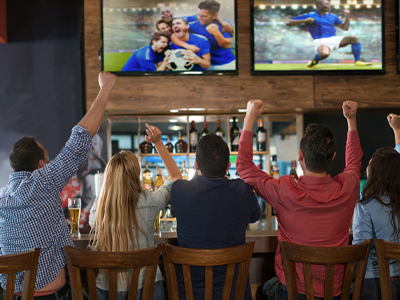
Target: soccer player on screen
149, 58
321, 25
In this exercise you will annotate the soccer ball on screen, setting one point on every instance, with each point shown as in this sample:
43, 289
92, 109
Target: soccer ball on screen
177, 63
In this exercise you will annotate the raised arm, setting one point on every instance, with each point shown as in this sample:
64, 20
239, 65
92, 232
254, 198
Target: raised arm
92, 120
226, 27
394, 122
353, 147
345, 26
154, 136
223, 42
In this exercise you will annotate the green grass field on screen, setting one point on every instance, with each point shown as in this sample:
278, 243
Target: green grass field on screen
115, 61
321, 67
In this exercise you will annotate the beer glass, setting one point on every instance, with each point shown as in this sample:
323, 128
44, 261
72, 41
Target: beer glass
74, 207
157, 231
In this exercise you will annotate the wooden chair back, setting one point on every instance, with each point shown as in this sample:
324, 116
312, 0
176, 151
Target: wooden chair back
208, 258
384, 252
328, 256
12, 264
93, 261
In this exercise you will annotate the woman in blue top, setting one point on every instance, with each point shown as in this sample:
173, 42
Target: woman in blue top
377, 215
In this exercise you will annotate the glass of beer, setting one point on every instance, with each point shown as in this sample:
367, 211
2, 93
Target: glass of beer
74, 207
157, 231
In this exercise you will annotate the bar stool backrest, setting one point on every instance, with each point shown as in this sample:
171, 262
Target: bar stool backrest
93, 261
328, 256
13, 263
208, 258
384, 251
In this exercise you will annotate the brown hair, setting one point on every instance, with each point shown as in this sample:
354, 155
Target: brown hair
157, 36
384, 180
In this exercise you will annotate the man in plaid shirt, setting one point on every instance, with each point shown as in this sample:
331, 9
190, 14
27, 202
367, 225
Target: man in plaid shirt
31, 214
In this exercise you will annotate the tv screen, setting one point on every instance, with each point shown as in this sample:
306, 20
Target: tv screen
142, 37
305, 37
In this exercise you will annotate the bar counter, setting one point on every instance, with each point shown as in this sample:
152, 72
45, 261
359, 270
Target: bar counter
262, 262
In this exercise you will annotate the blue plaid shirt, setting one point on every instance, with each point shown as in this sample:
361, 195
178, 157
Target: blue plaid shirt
31, 214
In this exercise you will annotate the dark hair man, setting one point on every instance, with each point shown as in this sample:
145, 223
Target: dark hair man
212, 211
149, 58
162, 25
31, 214
321, 25
201, 60
316, 210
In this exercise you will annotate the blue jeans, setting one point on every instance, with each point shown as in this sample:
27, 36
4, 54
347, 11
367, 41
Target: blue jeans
372, 289
274, 290
159, 293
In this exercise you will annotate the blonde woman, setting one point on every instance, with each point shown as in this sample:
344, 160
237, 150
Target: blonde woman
123, 217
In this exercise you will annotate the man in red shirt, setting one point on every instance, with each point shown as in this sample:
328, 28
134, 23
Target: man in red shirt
317, 209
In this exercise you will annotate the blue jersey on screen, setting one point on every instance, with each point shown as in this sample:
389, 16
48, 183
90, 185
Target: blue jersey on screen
199, 41
143, 59
323, 26
219, 55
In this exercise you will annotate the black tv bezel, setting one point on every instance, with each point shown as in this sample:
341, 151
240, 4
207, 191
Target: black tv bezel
322, 72
173, 73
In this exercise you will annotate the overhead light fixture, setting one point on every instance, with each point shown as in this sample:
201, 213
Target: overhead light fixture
304, 6
175, 127
196, 109
273, 6
174, 110
173, 120
242, 110
283, 6
295, 6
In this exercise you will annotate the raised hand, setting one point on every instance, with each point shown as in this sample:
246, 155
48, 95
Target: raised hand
394, 121
350, 109
212, 29
254, 108
154, 134
346, 13
107, 81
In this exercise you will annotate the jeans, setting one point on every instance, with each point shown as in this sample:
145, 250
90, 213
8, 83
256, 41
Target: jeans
159, 293
372, 289
274, 290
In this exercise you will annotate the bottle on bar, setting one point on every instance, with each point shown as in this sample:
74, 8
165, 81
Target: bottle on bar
181, 146
193, 138
219, 130
147, 178
159, 178
234, 136
169, 146
261, 136
205, 130
275, 167
146, 147
293, 170
184, 171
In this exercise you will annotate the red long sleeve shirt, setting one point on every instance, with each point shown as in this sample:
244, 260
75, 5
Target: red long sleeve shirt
313, 211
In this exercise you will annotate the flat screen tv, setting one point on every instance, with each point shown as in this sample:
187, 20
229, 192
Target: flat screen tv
163, 37
305, 37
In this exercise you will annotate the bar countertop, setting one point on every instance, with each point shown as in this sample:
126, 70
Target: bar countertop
265, 240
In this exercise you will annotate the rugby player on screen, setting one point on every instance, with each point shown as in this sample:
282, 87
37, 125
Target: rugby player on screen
321, 25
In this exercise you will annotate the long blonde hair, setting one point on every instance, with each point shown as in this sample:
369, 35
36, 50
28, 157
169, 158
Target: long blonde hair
115, 227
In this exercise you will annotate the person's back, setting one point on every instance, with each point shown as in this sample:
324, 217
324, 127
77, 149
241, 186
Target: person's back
212, 211
316, 210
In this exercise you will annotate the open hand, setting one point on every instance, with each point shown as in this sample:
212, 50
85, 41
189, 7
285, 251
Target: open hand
154, 134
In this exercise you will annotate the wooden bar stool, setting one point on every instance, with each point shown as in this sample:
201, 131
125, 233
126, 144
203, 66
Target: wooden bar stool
384, 252
208, 258
112, 261
13, 263
328, 256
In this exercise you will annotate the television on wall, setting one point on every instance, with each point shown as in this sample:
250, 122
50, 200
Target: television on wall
317, 37
164, 37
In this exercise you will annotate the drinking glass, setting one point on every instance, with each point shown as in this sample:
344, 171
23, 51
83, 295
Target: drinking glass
74, 207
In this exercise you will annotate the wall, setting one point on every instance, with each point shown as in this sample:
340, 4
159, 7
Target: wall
139, 95
40, 75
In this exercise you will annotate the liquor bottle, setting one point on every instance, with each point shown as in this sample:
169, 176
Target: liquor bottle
274, 167
193, 138
234, 136
159, 179
219, 130
169, 146
147, 178
184, 171
146, 147
181, 146
293, 170
205, 130
261, 136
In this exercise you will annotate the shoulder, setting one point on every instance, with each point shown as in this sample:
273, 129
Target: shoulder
240, 186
